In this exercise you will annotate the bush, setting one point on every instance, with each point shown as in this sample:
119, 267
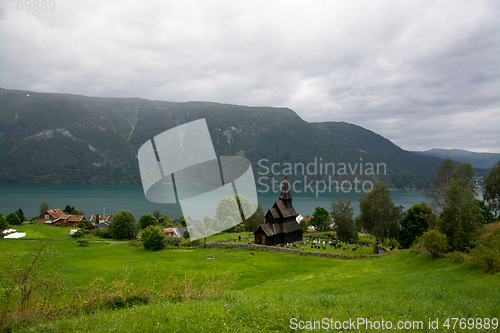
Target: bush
197, 242
85, 224
456, 256
487, 259
102, 232
153, 238
173, 241
12, 219
135, 242
433, 242
392, 243
83, 242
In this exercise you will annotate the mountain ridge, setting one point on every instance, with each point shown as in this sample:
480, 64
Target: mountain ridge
477, 160
73, 138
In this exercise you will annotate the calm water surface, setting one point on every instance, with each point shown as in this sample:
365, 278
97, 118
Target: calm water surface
110, 198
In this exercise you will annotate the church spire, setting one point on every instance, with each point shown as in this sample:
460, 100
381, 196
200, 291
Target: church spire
286, 194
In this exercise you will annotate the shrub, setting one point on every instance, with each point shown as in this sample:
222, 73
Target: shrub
456, 256
173, 241
433, 242
487, 259
85, 224
32, 288
13, 219
153, 238
83, 242
135, 242
102, 232
197, 242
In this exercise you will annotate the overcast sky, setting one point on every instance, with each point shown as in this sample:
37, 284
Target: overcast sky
423, 74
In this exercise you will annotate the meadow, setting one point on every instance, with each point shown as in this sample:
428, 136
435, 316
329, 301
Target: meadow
270, 291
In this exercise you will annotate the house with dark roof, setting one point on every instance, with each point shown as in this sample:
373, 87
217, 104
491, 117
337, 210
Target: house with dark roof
101, 220
281, 224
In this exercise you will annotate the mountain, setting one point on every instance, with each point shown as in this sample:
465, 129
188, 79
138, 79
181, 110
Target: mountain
78, 139
478, 160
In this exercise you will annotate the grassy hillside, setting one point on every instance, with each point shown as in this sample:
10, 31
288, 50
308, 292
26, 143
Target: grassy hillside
71, 138
269, 288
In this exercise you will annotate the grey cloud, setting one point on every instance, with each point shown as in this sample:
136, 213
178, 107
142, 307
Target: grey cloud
423, 76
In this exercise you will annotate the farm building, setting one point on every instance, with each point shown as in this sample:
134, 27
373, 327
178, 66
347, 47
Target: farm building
281, 224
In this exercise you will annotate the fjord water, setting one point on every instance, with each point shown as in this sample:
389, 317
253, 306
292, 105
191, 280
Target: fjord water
110, 198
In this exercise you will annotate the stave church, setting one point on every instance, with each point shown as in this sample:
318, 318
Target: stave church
281, 224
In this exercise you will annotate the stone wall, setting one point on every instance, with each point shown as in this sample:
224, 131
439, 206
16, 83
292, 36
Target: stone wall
258, 247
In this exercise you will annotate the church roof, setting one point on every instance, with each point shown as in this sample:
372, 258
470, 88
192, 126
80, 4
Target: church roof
284, 210
271, 229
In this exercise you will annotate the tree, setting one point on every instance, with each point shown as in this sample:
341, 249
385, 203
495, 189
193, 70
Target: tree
165, 221
85, 224
491, 192
68, 209
124, 225
254, 221
20, 215
414, 223
378, 214
304, 225
153, 238
157, 214
229, 211
12, 219
448, 172
321, 219
342, 215
487, 211
44, 206
146, 220
182, 220
3, 223
434, 242
76, 212
461, 218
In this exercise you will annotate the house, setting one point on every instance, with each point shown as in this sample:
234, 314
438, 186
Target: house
281, 224
307, 218
54, 217
175, 232
74, 219
101, 220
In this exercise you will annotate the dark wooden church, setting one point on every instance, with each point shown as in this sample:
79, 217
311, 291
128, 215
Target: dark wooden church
281, 225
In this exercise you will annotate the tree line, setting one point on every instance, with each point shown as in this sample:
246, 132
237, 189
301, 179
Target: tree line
451, 220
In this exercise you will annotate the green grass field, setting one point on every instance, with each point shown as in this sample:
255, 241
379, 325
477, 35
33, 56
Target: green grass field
270, 288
